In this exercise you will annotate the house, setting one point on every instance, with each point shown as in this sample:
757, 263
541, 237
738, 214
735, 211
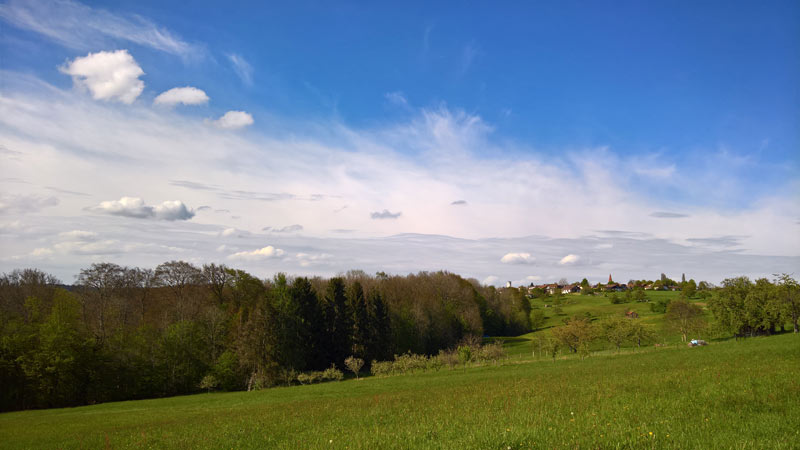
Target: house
570, 288
552, 288
632, 315
615, 287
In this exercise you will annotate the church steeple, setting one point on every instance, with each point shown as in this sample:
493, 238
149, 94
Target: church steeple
609, 279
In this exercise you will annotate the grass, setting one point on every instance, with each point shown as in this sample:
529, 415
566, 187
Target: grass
732, 394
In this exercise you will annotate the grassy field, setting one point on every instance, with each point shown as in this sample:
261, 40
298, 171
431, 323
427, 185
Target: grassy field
728, 395
598, 306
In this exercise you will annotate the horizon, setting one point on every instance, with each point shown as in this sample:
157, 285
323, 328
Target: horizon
557, 140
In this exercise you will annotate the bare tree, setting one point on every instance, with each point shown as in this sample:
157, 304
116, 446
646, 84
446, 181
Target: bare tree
179, 277
139, 284
101, 284
217, 277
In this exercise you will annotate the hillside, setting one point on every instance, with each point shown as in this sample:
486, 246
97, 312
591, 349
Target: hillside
731, 394
599, 307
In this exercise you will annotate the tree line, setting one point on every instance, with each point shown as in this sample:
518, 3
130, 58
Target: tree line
123, 333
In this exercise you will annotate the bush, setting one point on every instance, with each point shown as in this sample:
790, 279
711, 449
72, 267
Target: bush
208, 382
448, 358
659, 306
491, 352
464, 354
332, 374
382, 368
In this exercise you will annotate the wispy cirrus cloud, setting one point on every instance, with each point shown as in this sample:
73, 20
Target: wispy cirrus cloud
242, 68
667, 215
81, 27
22, 204
418, 166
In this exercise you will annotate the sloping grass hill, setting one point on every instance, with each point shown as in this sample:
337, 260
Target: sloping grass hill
733, 394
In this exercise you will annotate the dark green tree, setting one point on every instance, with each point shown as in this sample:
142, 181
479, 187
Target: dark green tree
360, 321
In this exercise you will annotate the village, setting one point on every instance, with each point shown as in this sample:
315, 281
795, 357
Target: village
662, 284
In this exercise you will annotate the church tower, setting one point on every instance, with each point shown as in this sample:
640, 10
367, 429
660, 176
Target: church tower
609, 279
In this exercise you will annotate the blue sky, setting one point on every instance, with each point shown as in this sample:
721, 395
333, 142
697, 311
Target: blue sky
560, 120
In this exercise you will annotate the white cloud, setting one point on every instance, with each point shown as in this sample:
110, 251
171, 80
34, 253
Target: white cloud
136, 207
107, 75
242, 68
418, 166
78, 235
227, 232
267, 252
517, 258
21, 204
397, 98
490, 280
78, 26
569, 259
233, 120
533, 278
185, 95
309, 259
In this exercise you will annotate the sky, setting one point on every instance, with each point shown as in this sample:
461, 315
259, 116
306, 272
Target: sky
523, 143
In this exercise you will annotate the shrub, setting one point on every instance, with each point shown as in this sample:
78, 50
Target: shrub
208, 382
464, 354
491, 352
382, 368
332, 373
448, 358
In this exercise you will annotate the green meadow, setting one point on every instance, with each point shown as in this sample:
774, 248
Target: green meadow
730, 394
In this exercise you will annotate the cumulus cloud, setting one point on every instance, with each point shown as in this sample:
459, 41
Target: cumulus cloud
569, 260
385, 214
267, 252
418, 166
136, 207
517, 258
107, 75
242, 68
490, 280
184, 95
233, 120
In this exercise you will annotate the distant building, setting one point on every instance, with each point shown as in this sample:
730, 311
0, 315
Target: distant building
508, 284
570, 288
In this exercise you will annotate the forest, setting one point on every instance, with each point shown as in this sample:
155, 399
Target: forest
121, 333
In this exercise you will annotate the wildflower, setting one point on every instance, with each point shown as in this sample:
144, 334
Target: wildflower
651, 433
